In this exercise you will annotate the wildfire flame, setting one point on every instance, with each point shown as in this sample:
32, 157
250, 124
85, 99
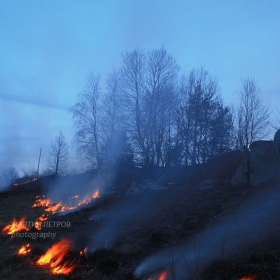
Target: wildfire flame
54, 256
24, 250
39, 221
62, 269
82, 253
15, 227
161, 276
41, 202
26, 182
96, 195
53, 208
62, 208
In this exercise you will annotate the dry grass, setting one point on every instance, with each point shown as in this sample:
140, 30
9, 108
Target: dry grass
193, 210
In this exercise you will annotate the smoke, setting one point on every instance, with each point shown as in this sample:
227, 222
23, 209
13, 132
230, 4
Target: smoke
253, 222
127, 215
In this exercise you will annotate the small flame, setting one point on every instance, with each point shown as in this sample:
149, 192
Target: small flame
82, 253
63, 269
161, 276
43, 218
38, 225
53, 208
62, 208
248, 278
41, 202
96, 195
54, 256
15, 227
24, 250
39, 221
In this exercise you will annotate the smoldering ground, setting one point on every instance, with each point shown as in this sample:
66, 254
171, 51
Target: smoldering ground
255, 221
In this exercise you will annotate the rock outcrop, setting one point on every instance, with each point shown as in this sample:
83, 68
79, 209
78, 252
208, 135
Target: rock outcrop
263, 165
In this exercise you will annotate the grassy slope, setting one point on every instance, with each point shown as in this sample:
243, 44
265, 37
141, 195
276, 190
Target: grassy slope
191, 213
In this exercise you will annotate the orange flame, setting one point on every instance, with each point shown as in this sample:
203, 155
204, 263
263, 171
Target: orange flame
41, 202
82, 253
38, 225
54, 256
248, 278
24, 250
161, 276
43, 218
62, 208
39, 221
15, 227
96, 195
53, 208
82, 202
63, 269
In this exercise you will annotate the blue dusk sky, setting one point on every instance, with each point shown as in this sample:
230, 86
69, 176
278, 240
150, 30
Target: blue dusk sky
48, 48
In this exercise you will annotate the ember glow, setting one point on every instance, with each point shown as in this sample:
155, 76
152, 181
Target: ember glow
15, 227
24, 250
248, 278
73, 197
82, 253
54, 257
162, 276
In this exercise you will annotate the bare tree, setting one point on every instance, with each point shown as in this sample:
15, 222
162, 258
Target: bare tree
86, 119
148, 81
112, 119
253, 114
58, 155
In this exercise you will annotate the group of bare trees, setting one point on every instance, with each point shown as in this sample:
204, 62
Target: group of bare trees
158, 118
149, 116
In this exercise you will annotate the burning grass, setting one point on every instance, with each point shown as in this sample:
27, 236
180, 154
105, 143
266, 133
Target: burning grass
54, 259
61, 207
24, 250
15, 226
161, 276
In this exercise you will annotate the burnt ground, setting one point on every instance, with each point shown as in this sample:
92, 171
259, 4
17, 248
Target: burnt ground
186, 212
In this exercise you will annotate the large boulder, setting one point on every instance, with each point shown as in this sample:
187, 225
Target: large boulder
263, 165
